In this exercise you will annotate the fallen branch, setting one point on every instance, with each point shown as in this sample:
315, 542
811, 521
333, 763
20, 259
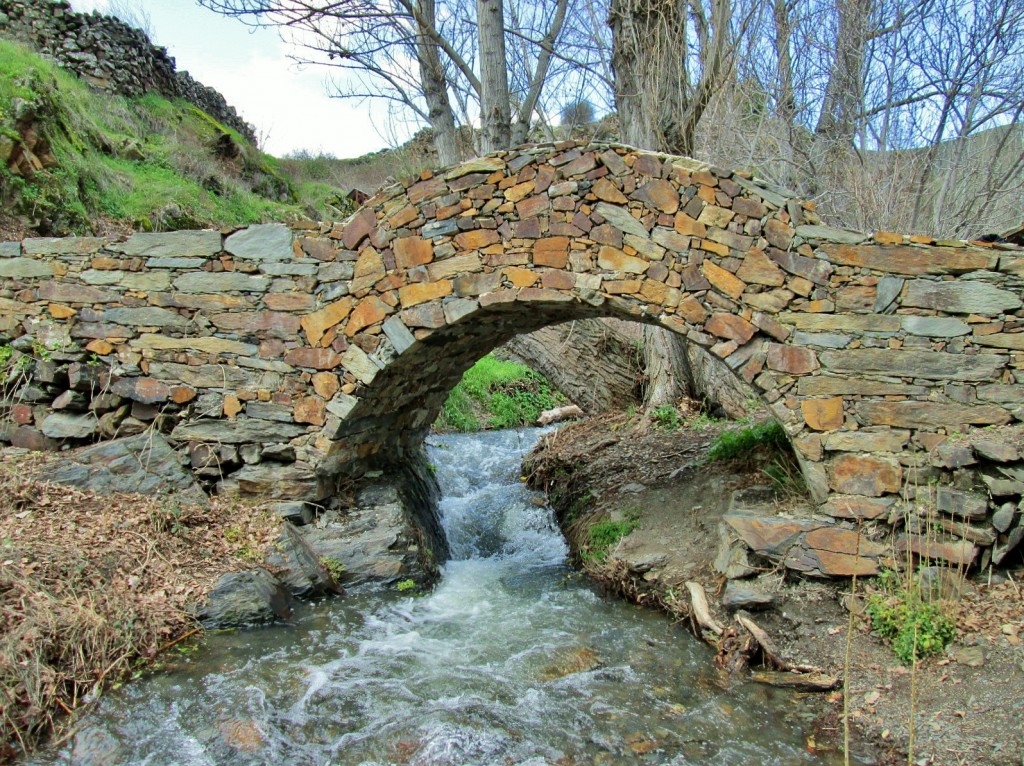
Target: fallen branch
805, 682
768, 651
701, 611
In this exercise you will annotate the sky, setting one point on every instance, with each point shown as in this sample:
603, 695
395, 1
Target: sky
288, 105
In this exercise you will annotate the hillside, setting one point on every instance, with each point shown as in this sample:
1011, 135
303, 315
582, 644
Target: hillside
74, 160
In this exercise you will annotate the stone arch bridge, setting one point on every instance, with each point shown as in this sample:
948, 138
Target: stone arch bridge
285, 359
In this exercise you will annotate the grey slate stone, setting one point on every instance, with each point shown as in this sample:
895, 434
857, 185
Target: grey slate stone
960, 297
10, 249
621, 219
399, 335
830, 234
171, 244
175, 263
263, 242
223, 282
25, 268
144, 463
147, 316
245, 598
236, 431
935, 327
63, 425
740, 596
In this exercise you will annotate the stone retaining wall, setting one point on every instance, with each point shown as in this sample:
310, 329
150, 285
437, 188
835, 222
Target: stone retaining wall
110, 55
271, 355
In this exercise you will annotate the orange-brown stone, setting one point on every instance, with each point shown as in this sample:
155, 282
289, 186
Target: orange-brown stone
182, 394
232, 406
613, 259
731, 327
722, 279
60, 311
413, 251
314, 358
865, 475
823, 414
368, 312
477, 239
551, 251
520, 277
326, 384
692, 310
99, 347
606, 191
414, 294
759, 269
319, 322
792, 359
288, 301
312, 410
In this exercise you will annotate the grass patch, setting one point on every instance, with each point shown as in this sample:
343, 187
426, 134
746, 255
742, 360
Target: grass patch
764, 444
494, 393
605, 535
146, 163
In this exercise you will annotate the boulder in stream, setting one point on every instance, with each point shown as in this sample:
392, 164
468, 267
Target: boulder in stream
245, 598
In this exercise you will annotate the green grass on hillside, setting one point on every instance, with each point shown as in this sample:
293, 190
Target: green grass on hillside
497, 394
146, 163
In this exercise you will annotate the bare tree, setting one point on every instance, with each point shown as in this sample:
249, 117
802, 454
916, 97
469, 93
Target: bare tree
445, 62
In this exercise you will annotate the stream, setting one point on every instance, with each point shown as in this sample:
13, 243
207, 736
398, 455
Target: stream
511, 659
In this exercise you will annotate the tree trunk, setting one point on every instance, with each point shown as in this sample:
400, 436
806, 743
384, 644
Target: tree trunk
435, 91
495, 111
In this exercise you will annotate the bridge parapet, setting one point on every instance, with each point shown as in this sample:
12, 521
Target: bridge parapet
276, 353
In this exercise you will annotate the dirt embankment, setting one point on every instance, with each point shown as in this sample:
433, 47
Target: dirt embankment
94, 588
624, 474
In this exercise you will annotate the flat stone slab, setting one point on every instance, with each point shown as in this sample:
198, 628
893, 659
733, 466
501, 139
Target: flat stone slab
144, 463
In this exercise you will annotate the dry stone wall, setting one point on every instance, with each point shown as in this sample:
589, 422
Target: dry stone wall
285, 360
110, 55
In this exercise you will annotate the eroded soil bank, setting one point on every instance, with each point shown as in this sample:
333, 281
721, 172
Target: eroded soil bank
961, 707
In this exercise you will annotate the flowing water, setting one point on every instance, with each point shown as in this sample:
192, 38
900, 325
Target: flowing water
511, 659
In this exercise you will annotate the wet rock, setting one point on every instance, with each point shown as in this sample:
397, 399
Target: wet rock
738, 596
245, 598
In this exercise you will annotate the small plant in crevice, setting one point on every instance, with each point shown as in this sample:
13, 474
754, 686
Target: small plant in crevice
334, 568
405, 586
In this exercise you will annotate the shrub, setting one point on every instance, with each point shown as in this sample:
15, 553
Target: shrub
915, 628
666, 417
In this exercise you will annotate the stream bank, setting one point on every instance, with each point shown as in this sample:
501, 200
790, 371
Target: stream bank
654, 484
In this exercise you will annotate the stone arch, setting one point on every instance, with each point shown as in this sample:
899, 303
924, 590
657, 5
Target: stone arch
818, 320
